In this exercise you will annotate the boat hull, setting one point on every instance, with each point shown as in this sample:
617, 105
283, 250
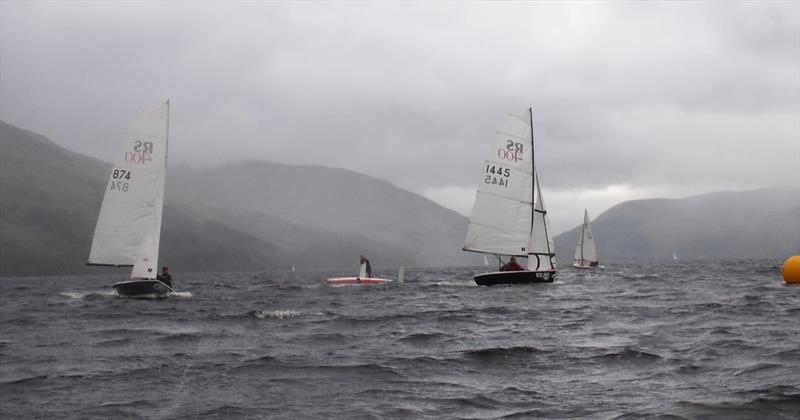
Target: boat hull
143, 289
514, 277
355, 281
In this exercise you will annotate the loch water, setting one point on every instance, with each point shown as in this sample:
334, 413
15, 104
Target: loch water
689, 340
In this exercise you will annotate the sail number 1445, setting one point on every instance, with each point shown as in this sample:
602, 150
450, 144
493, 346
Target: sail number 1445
496, 175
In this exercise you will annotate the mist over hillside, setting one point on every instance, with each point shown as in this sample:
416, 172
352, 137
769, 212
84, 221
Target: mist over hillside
763, 223
264, 216
248, 216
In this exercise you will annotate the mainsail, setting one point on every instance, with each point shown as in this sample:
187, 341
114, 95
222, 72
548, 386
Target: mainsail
501, 215
504, 219
586, 252
128, 227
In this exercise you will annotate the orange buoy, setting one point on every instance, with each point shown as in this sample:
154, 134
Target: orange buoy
791, 270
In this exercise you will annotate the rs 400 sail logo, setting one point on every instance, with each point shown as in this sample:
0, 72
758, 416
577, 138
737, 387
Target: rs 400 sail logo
142, 152
513, 151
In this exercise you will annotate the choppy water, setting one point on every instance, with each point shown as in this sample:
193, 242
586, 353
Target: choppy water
710, 340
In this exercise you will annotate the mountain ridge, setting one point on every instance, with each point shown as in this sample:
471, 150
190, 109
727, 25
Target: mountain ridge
50, 198
256, 215
759, 223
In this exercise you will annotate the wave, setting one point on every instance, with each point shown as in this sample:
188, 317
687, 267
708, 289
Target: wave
283, 314
226, 411
115, 342
422, 338
89, 294
758, 367
783, 406
637, 276
298, 365
503, 352
454, 283
627, 355
24, 380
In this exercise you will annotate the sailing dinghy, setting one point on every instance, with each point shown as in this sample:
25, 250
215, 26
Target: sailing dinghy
361, 279
586, 252
128, 230
506, 220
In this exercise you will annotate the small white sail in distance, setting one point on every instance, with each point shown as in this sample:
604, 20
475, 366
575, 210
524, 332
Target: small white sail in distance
586, 251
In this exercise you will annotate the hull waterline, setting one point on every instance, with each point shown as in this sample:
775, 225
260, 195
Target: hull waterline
514, 277
355, 281
143, 289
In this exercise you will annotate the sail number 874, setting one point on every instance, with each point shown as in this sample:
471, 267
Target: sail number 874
496, 175
119, 179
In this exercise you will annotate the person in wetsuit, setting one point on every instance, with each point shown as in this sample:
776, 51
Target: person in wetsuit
165, 277
364, 260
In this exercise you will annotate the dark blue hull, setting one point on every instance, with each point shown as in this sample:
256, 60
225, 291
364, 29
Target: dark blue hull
146, 289
515, 277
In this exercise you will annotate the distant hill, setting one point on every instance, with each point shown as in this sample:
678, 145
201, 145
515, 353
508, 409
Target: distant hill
263, 216
247, 216
719, 225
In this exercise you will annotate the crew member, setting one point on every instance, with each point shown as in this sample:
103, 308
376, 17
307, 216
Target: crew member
165, 277
364, 260
512, 265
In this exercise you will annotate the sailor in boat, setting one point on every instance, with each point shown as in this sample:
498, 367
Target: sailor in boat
165, 277
364, 261
512, 265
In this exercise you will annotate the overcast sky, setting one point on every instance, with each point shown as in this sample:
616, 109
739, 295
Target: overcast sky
630, 100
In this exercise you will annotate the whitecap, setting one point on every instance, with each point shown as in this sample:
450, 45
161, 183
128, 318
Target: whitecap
283, 314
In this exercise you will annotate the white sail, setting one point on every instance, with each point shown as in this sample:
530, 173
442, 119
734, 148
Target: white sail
586, 252
541, 249
500, 222
362, 272
128, 227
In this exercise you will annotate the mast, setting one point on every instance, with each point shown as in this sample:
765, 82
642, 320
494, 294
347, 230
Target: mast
535, 187
533, 172
583, 235
166, 142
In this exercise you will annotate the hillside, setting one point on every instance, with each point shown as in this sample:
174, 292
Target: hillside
248, 216
49, 201
719, 225
261, 216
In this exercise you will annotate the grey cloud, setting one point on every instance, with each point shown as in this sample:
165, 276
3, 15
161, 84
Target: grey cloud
644, 94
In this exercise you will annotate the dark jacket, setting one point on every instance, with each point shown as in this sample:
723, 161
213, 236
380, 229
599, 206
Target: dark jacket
166, 278
512, 266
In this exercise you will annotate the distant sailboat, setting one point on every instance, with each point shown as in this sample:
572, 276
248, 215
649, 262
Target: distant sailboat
585, 253
506, 219
128, 231
674, 257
